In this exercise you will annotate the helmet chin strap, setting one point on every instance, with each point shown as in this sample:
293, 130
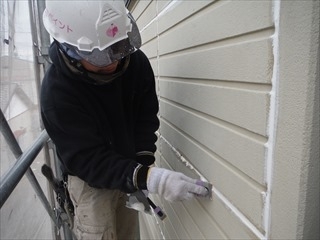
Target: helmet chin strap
76, 67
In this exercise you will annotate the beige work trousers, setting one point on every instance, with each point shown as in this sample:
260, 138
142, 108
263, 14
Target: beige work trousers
101, 213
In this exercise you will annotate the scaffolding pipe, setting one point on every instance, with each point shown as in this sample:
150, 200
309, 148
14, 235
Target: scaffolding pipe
12, 178
43, 35
9, 136
22, 166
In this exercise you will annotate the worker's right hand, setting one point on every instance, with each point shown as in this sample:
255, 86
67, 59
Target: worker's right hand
173, 186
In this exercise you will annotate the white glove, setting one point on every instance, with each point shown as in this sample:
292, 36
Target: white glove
173, 186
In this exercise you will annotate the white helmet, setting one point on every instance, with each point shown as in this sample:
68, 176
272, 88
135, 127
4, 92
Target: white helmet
100, 32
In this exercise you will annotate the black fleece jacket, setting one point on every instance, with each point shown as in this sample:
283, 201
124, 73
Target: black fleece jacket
98, 129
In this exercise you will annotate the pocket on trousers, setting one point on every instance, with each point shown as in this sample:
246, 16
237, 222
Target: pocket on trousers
75, 187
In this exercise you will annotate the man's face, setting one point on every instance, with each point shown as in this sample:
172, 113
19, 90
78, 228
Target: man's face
109, 69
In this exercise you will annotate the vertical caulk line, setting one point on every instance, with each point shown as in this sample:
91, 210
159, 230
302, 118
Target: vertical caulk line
272, 123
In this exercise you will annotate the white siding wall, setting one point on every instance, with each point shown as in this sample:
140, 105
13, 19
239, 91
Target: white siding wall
214, 63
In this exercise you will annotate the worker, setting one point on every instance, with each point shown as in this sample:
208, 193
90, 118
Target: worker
99, 107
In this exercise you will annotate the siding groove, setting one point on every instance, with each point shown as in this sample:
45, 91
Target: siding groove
213, 216
184, 10
226, 104
207, 26
149, 222
236, 129
189, 223
233, 63
245, 197
176, 222
213, 159
236, 85
247, 37
139, 9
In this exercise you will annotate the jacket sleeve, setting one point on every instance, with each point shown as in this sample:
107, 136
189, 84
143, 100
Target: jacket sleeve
147, 122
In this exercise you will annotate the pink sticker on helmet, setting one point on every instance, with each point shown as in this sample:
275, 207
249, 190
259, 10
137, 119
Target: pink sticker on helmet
112, 30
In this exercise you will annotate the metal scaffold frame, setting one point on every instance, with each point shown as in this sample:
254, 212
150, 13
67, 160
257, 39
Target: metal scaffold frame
21, 167
41, 43
24, 159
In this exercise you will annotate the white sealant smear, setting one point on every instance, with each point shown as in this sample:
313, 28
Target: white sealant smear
159, 226
273, 116
222, 198
182, 159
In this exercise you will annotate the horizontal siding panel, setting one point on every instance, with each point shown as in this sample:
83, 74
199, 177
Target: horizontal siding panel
149, 30
149, 33
150, 49
167, 228
139, 8
162, 4
187, 230
231, 226
207, 26
149, 14
246, 62
176, 222
178, 12
247, 109
150, 227
244, 193
241, 151
212, 217
146, 231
